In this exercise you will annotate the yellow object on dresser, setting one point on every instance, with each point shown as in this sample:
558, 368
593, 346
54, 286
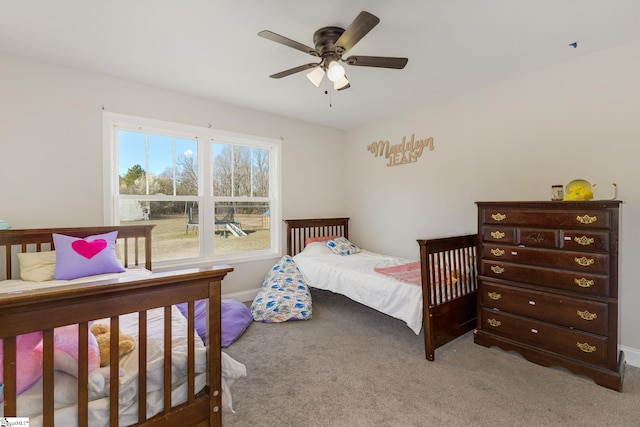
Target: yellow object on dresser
578, 189
548, 284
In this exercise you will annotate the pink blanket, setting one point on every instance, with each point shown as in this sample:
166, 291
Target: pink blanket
65, 358
409, 273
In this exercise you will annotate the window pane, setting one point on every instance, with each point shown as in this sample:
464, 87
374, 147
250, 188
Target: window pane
242, 227
186, 167
222, 169
156, 164
241, 171
161, 171
132, 162
176, 231
260, 172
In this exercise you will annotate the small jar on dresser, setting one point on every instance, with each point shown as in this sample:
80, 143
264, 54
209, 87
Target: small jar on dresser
548, 284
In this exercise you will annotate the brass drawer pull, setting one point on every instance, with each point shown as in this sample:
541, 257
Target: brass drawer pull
493, 322
583, 283
584, 261
498, 217
586, 347
497, 234
494, 295
586, 219
584, 240
586, 315
497, 269
497, 252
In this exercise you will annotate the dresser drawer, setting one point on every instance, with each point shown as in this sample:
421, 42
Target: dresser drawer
583, 240
565, 218
570, 343
589, 316
499, 234
574, 281
538, 237
579, 261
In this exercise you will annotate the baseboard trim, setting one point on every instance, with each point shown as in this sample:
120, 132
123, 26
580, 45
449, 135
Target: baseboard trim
631, 356
244, 296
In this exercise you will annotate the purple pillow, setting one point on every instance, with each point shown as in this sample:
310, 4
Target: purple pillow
235, 319
92, 255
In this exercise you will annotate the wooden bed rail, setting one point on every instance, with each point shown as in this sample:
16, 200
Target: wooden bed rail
46, 309
43, 309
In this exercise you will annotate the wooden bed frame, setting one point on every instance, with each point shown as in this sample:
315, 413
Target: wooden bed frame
48, 308
444, 319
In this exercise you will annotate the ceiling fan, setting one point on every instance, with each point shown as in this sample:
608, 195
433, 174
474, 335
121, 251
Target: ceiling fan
330, 44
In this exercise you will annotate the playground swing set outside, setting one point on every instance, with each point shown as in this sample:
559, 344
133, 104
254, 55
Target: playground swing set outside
226, 219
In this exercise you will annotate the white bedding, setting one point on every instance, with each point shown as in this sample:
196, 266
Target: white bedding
354, 276
29, 403
17, 286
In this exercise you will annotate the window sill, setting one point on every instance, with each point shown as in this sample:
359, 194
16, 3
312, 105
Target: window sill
202, 262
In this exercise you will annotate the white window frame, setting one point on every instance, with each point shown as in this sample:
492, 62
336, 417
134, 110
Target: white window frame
112, 122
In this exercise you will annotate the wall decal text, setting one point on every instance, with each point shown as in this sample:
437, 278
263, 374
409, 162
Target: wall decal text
403, 153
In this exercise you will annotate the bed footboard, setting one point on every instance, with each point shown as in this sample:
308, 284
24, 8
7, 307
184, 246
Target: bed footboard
147, 298
44, 311
449, 289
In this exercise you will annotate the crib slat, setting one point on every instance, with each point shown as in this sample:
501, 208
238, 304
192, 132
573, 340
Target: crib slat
191, 364
10, 386
114, 370
142, 366
7, 261
83, 374
167, 359
47, 378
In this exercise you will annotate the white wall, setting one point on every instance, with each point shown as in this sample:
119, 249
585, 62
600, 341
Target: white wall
510, 141
51, 148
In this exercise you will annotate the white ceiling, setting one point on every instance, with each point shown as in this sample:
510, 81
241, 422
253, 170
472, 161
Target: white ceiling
210, 48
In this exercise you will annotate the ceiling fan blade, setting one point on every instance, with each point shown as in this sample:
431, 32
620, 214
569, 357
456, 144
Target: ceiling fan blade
288, 72
359, 28
270, 35
377, 61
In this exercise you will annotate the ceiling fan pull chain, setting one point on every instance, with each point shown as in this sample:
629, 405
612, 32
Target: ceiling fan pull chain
330, 96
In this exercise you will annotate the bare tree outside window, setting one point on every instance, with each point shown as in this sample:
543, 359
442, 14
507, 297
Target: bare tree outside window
159, 181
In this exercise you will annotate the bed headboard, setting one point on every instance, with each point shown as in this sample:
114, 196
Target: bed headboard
134, 242
300, 229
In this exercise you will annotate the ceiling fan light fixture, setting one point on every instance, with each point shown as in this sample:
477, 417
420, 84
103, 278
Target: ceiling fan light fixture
316, 75
335, 71
340, 84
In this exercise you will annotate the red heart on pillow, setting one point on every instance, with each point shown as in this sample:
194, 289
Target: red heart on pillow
89, 249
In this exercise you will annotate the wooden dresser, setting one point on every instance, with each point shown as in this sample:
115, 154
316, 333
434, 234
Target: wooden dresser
548, 284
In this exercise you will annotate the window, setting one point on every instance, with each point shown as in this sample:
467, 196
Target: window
212, 195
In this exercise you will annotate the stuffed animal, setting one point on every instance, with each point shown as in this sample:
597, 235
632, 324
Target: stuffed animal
102, 333
28, 361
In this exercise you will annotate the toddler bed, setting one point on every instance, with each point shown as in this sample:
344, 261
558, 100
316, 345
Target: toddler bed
44, 332
437, 292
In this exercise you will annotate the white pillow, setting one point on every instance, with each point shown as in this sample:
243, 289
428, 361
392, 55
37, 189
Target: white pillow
317, 248
37, 266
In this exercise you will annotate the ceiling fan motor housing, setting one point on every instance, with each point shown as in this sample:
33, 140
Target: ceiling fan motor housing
325, 39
